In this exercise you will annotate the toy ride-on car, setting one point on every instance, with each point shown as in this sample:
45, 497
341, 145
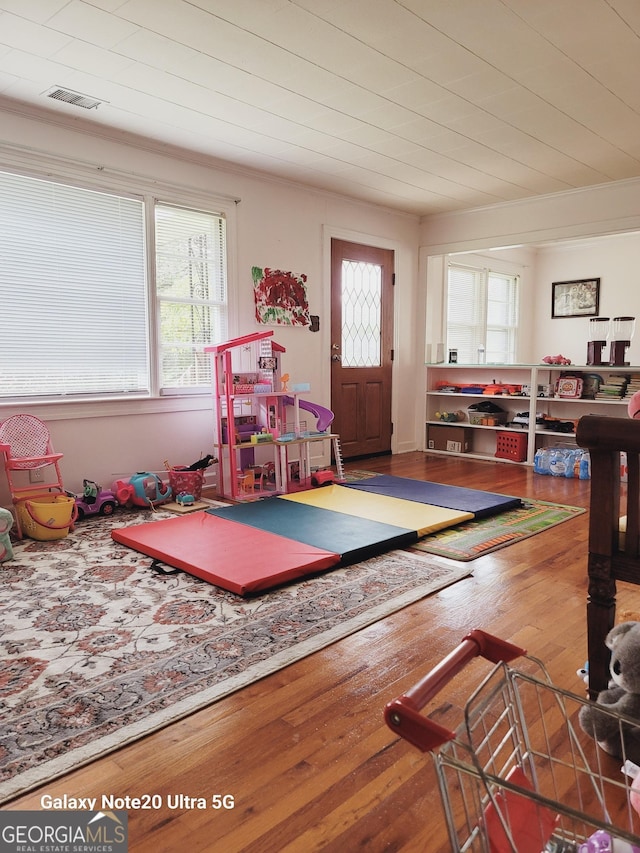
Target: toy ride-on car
95, 500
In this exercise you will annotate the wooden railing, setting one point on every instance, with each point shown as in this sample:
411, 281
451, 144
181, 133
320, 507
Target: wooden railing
613, 548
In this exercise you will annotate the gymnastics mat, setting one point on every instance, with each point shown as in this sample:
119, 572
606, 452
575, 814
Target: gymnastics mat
234, 557
421, 517
479, 503
353, 538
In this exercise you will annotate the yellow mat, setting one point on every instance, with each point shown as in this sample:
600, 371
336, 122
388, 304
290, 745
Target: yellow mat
423, 518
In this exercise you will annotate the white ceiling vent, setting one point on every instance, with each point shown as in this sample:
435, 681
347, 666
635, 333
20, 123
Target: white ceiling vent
75, 98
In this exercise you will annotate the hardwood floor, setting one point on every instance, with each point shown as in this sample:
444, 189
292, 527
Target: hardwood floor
305, 753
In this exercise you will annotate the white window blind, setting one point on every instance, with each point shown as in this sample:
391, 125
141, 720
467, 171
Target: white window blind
191, 288
72, 291
466, 312
482, 313
502, 317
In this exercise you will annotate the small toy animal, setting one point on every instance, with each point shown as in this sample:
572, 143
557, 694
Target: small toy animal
613, 734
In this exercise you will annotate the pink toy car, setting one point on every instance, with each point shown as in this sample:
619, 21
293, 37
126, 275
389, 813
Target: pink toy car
95, 500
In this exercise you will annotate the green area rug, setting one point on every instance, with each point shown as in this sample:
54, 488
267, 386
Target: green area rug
357, 474
476, 538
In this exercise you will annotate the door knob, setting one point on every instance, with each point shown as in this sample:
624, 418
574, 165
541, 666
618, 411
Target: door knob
336, 357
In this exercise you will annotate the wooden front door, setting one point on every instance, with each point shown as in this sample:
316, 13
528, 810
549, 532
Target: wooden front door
361, 347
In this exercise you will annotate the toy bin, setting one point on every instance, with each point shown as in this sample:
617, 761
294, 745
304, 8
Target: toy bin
183, 481
46, 516
511, 445
487, 418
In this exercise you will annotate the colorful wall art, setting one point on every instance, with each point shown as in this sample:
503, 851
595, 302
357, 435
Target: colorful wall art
281, 297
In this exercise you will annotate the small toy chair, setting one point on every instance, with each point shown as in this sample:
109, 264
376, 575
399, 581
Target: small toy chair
246, 481
25, 442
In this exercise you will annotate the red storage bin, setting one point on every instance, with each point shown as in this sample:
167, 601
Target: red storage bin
512, 445
183, 481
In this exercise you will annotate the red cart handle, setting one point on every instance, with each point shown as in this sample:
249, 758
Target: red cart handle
402, 714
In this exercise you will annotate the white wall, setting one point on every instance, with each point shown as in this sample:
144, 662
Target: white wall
609, 215
277, 224
603, 209
616, 261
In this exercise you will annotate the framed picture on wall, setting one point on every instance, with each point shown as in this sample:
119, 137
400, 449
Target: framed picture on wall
578, 298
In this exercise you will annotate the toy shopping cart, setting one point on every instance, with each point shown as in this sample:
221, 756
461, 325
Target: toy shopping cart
517, 773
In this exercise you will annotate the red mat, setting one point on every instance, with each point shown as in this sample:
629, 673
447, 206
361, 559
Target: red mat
232, 556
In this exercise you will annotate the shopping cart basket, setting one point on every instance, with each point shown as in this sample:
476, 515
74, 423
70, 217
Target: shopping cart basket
517, 773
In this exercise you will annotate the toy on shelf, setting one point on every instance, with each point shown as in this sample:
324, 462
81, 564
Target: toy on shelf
556, 359
95, 500
449, 417
257, 420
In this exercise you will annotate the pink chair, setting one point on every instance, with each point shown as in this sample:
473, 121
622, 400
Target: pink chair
25, 442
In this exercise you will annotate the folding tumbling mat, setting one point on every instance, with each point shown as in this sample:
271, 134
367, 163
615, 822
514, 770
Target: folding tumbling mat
352, 538
241, 559
254, 546
478, 503
421, 517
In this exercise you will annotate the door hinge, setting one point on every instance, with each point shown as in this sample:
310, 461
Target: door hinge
393, 279
393, 354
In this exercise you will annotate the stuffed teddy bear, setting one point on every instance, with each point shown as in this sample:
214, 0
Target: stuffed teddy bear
622, 696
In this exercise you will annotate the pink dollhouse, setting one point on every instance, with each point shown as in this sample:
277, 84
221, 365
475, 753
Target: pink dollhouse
258, 425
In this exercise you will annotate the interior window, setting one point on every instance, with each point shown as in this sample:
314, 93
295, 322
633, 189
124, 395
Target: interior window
482, 314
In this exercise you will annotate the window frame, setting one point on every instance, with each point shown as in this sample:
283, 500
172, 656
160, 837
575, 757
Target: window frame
159, 299
482, 326
150, 191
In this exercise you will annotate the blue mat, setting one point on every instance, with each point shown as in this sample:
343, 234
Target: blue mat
479, 503
353, 538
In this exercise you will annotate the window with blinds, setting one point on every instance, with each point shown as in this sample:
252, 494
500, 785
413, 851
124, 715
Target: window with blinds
76, 286
482, 314
191, 289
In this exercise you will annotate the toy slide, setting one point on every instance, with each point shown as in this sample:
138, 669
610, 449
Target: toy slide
325, 416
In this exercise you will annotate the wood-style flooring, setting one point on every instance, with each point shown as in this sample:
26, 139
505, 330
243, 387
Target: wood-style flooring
305, 753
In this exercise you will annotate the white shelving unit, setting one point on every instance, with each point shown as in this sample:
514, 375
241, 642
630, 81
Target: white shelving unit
531, 375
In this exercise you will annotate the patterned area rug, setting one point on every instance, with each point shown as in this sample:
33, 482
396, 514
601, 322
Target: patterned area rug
475, 538
98, 650
357, 474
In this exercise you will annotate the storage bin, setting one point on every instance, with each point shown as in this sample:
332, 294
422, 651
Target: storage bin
186, 482
488, 418
46, 516
511, 445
